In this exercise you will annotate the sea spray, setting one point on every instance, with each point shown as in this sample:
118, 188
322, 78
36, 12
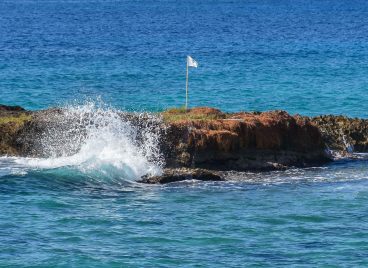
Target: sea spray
99, 141
348, 146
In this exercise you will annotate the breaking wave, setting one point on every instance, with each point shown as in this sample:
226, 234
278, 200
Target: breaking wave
99, 141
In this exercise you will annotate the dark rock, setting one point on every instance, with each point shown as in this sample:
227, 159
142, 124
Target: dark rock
181, 174
11, 108
340, 132
12, 121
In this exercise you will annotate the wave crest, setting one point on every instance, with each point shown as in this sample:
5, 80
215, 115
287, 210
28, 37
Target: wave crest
100, 141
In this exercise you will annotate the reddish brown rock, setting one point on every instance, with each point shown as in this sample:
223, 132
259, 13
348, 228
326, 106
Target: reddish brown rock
207, 111
198, 138
245, 141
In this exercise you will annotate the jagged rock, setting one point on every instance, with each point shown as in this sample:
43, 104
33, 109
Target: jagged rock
12, 121
244, 141
181, 174
202, 137
340, 132
10, 108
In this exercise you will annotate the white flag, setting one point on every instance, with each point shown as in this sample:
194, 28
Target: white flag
191, 62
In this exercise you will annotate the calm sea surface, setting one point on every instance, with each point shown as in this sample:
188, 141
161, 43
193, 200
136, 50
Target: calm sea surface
308, 57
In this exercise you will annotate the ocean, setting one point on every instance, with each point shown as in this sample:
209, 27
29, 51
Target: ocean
86, 210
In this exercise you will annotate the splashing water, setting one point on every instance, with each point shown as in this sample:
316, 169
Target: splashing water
348, 147
100, 141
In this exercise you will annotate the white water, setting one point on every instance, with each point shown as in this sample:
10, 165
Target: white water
98, 142
349, 147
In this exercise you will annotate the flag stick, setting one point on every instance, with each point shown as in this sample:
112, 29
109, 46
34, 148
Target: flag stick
186, 88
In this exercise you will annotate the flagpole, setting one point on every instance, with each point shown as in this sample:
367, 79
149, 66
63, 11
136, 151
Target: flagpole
186, 88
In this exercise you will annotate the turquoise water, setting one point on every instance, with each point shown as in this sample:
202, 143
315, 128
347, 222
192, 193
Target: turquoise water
313, 217
84, 209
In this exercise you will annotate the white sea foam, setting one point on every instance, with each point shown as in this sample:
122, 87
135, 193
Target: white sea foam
98, 141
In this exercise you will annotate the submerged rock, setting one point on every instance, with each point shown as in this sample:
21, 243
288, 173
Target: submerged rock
182, 174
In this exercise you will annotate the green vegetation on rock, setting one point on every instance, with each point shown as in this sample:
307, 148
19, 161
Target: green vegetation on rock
201, 113
18, 119
10, 124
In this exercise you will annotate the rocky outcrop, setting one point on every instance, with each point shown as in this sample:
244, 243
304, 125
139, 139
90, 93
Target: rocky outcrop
244, 141
5, 108
342, 133
12, 121
181, 174
203, 138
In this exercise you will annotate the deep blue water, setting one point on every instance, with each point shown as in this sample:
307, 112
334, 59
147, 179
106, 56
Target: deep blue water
307, 57
304, 56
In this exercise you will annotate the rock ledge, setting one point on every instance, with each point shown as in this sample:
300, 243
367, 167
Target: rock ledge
181, 174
